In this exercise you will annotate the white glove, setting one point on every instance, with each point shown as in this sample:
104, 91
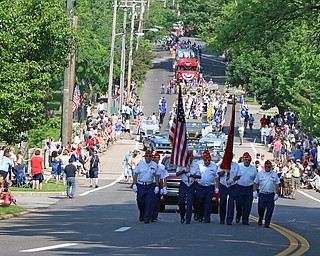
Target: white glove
156, 190
188, 174
161, 192
229, 181
276, 196
122, 166
134, 188
216, 190
164, 191
255, 194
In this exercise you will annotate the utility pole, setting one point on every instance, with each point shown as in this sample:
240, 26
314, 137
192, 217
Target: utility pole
140, 28
123, 53
130, 61
113, 37
69, 73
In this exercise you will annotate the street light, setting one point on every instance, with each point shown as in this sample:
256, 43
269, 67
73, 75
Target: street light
312, 96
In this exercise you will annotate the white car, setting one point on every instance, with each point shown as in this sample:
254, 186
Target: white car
148, 127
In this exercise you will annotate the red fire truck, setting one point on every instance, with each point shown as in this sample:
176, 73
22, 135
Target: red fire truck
187, 69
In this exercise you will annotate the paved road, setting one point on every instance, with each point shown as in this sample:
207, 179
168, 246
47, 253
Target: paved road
104, 221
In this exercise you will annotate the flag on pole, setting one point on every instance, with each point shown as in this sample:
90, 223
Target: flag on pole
178, 136
76, 101
228, 152
209, 114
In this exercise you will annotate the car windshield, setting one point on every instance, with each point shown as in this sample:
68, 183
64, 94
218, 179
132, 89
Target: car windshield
150, 122
214, 135
194, 125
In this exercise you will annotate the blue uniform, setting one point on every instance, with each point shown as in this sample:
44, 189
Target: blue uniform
245, 192
156, 197
228, 192
267, 182
187, 190
205, 190
146, 173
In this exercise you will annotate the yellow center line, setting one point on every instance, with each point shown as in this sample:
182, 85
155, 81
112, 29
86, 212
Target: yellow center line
294, 239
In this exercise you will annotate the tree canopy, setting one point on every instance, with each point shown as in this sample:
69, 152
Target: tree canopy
35, 39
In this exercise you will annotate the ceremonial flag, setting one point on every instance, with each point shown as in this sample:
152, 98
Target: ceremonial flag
209, 114
76, 101
178, 136
228, 152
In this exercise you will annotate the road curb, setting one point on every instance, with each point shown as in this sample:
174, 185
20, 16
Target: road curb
12, 215
22, 193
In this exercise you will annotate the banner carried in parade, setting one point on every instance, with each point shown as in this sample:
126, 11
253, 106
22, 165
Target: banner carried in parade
178, 136
228, 153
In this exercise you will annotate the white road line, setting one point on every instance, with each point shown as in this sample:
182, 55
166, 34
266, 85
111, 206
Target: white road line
106, 186
47, 248
122, 229
253, 148
307, 195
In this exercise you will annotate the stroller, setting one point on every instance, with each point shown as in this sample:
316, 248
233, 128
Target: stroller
20, 178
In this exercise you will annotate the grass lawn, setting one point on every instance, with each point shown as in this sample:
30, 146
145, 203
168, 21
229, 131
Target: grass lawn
51, 186
11, 209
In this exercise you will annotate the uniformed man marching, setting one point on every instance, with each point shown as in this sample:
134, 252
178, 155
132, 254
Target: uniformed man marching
268, 181
248, 173
143, 185
187, 188
163, 186
228, 190
206, 186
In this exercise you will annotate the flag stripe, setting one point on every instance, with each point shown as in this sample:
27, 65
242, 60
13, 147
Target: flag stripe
178, 136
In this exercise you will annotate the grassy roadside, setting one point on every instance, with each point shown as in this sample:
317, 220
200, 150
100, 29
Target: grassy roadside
11, 209
51, 186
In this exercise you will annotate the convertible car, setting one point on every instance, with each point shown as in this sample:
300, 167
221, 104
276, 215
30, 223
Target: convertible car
156, 142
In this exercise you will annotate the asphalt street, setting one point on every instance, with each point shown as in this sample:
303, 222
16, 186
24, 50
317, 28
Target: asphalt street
104, 221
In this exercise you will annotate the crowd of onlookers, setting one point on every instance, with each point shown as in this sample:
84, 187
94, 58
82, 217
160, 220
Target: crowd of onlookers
295, 154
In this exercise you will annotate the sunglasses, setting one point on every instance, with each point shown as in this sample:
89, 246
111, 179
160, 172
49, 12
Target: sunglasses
268, 165
148, 155
246, 159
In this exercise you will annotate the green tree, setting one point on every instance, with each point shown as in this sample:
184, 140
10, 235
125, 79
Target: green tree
35, 39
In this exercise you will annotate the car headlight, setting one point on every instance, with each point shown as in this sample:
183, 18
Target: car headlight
157, 145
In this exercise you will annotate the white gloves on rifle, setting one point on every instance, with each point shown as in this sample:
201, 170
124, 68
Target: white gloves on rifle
216, 190
255, 194
164, 191
156, 190
134, 188
276, 196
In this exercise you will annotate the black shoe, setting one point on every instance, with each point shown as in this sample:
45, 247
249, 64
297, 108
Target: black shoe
259, 222
195, 217
207, 221
229, 223
96, 186
188, 222
221, 222
200, 219
153, 220
182, 220
245, 223
237, 219
146, 222
141, 219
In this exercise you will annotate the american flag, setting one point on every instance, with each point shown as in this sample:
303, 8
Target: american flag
76, 101
178, 136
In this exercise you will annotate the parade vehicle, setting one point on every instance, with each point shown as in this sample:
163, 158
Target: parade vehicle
194, 129
187, 69
148, 127
156, 142
214, 140
173, 183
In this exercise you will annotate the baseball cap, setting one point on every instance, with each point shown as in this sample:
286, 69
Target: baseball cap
246, 155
